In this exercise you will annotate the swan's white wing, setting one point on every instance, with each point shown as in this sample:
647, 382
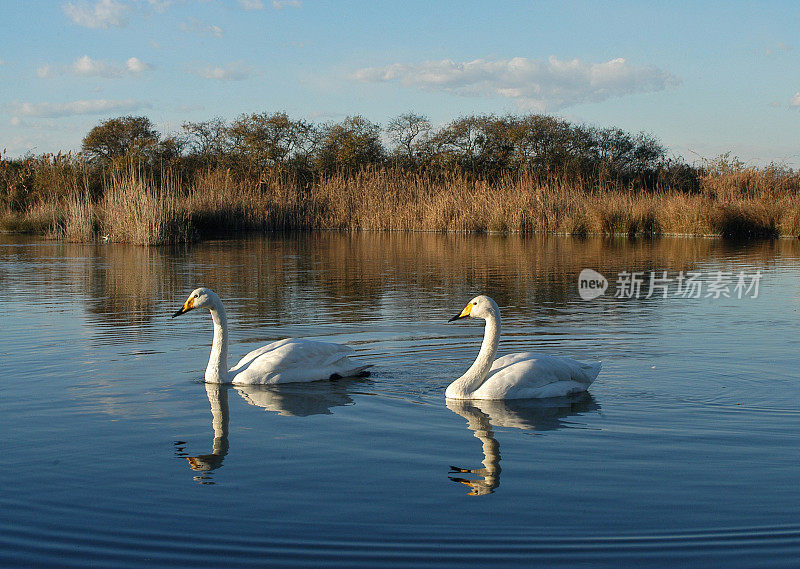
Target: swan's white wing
297, 351
295, 360
530, 375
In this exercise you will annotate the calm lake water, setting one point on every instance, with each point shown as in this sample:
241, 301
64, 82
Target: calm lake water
115, 454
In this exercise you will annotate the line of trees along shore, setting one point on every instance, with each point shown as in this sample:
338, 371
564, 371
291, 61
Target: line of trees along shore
269, 171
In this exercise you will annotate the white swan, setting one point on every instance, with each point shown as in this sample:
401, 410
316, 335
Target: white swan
284, 361
516, 376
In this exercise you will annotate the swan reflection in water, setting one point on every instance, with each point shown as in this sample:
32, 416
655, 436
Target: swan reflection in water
289, 400
526, 414
220, 417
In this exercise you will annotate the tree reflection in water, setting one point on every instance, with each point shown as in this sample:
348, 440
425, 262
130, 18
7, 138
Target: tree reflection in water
323, 277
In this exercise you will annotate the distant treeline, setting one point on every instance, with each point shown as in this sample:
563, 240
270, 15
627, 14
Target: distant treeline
257, 146
477, 173
484, 146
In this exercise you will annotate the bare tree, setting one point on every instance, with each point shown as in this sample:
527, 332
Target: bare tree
208, 139
406, 130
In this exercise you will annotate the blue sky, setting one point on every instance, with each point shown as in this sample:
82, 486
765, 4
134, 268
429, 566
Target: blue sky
703, 77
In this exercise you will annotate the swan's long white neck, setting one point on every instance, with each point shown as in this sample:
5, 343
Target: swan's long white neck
465, 386
217, 369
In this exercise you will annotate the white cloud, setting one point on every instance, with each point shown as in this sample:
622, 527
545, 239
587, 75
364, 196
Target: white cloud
281, 4
44, 71
86, 107
198, 27
795, 102
251, 4
534, 84
159, 5
234, 71
87, 67
101, 14
136, 65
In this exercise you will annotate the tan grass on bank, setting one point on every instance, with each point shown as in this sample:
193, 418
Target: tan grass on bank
383, 201
137, 209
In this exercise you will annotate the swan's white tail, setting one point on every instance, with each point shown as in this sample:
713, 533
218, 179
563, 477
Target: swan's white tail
593, 369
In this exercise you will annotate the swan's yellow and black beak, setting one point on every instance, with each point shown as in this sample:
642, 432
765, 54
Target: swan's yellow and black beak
464, 313
187, 306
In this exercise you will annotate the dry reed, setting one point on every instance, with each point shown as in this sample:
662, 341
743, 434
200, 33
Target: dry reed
138, 210
77, 222
38, 218
134, 208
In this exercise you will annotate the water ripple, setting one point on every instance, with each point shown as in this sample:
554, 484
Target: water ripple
123, 542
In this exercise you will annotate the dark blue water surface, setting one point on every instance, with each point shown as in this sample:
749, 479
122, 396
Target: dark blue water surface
684, 454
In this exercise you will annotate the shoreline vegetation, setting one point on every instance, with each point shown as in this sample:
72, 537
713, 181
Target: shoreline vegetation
267, 172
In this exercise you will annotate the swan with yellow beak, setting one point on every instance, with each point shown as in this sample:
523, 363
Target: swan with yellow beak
525, 375
285, 361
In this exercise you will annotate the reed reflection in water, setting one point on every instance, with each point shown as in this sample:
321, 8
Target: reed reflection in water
353, 274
